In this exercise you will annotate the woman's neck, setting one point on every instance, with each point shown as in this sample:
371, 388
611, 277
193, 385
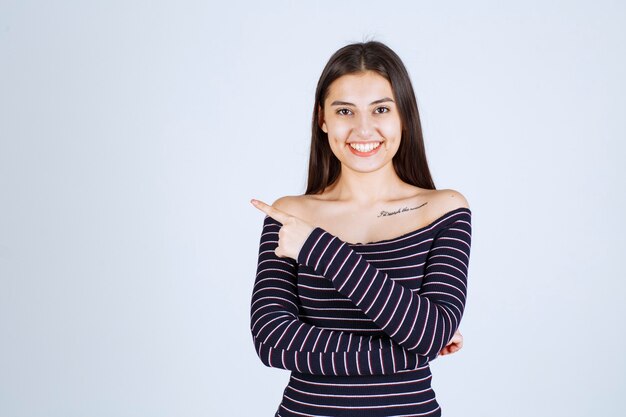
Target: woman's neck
365, 188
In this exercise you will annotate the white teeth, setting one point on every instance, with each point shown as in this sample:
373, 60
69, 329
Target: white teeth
365, 148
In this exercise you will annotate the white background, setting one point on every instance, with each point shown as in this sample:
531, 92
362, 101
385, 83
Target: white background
133, 135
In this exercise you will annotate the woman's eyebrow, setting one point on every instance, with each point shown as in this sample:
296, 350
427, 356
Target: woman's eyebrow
345, 103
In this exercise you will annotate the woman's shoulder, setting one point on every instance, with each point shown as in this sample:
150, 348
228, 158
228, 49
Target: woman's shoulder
295, 205
446, 200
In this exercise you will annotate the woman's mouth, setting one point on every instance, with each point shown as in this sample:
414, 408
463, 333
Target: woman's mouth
364, 149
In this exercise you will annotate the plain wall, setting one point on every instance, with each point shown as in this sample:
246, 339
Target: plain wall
133, 135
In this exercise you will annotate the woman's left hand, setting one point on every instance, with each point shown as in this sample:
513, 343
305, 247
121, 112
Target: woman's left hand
292, 234
454, 345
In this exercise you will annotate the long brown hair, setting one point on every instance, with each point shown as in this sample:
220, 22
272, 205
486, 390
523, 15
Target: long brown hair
410, 160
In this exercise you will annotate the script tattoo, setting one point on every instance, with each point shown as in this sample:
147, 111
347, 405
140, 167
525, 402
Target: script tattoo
401, 210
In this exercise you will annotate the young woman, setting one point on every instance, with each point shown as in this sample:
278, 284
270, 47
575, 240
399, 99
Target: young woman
362, 281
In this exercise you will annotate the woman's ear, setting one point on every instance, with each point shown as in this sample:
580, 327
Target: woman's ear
320, 122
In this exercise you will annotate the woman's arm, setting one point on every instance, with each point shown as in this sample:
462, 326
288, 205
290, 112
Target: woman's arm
423, 322
282, 340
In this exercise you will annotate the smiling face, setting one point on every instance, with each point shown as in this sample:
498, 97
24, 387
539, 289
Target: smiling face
362, 121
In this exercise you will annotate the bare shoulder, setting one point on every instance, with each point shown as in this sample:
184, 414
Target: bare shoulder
448, 200
295, 205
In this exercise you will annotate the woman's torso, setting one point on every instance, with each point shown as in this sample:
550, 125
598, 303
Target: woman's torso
397, 243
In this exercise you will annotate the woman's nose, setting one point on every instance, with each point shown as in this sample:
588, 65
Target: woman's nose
365, 128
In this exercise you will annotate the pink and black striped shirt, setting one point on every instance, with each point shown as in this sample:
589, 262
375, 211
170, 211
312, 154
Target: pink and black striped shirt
357, 324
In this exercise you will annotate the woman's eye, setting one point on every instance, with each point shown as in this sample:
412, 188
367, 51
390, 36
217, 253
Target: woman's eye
383, 108
345, 112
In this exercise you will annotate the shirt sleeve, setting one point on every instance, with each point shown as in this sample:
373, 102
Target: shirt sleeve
282, 340
422, 322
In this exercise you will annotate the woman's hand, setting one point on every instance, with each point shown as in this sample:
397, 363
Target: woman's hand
291, 235
454, 345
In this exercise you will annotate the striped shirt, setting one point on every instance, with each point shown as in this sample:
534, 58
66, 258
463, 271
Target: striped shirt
358, 323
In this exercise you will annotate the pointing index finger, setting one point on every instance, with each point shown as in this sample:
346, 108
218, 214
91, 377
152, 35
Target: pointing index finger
271, 211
